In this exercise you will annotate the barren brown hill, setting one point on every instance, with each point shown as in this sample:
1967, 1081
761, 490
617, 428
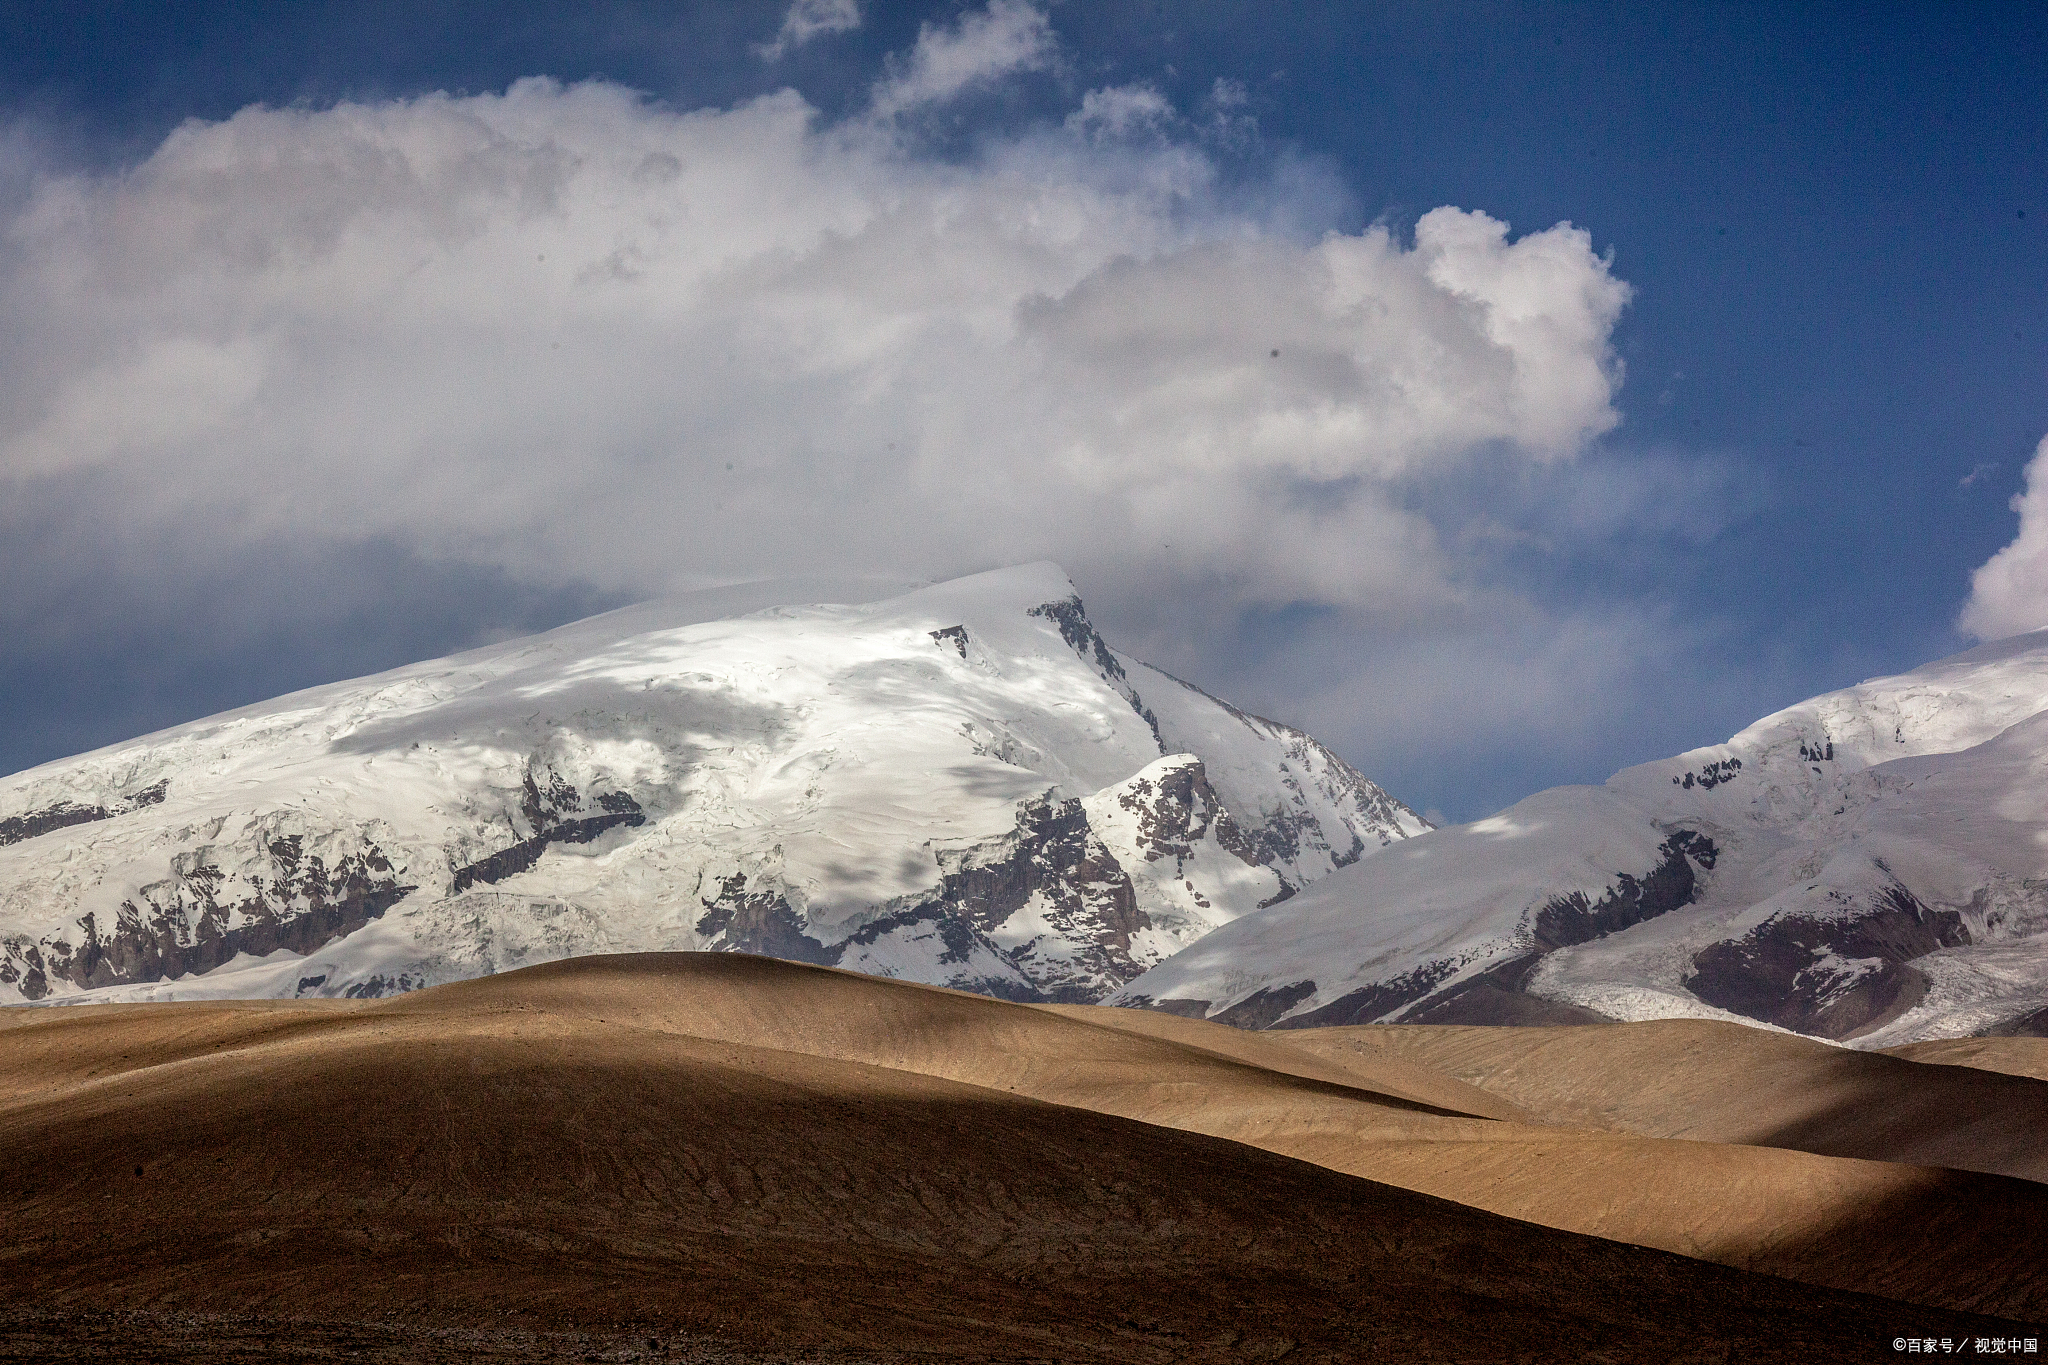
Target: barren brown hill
1916, 1232
1726, 1083
2011, 1056
717, 1149
1933, 1236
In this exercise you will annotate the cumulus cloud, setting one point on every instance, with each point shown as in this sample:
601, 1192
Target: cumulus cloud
1119, 112
563, 344
575, 333
2009, 593
980, 47
808, 19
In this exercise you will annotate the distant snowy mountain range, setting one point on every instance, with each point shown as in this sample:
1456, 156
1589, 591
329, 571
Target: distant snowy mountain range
1870, 865
965, 785
961, 784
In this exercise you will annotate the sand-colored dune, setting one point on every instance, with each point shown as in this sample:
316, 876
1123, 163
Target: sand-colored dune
718, 1147
1955, 1239
1718, 1082
2009, 1056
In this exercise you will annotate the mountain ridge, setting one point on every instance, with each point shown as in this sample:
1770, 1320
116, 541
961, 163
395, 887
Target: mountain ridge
963, 783
1866, 865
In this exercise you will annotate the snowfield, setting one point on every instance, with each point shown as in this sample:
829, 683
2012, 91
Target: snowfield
959, 784
1870, 865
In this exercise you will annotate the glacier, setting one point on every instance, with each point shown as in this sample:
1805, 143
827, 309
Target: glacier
1869, 866
961, 784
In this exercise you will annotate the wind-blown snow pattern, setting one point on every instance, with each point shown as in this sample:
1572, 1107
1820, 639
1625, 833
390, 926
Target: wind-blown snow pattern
1870, 865
961, 784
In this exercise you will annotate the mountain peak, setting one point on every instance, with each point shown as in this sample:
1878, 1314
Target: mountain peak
958, 783
1867, 865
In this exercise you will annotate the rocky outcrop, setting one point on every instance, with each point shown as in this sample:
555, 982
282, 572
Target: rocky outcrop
548, 815
1834, 975
1084, 894
65, 814
1498, 993
1051, 897
737, 920
1565, 920
1310, 773
1262, 1007
1077, 630
1369, 1004
203, 915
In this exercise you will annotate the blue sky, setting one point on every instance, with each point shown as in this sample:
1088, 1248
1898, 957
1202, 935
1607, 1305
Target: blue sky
1824, 387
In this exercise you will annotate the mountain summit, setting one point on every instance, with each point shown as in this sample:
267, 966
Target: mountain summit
961, 784
1871, 864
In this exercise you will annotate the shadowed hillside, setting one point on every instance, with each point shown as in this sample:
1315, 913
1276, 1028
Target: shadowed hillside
714, 1149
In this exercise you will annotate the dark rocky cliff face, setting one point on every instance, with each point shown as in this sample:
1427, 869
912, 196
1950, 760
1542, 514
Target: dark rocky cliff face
551, 813
1056, 863
192, 923
216, 903
1498, 994
65, 814
1565, 920
1178, 809
1834, 976
1084, 896
760, 922
1079, 632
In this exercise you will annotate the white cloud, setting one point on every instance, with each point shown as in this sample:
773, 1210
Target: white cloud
1121, 111
808, 19
534, 329
2009, 594
613, 348
983, 46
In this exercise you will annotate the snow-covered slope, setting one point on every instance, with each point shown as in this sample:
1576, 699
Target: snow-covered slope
961, 784
1871, 864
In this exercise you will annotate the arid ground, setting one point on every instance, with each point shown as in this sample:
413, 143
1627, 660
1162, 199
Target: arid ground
713, 1157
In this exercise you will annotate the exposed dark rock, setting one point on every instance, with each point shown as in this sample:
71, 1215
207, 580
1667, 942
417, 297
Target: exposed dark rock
759, 922
1498, 996
960, 937
1080, 633
22, 967
182, 926
1180, 808
65, 814
1263, 1006
1829, 976
1053, 853
1368, 1004
1565, 920
961, 940
1372, 802
1711, 776
1177, 810
1286, 892
953, 635
2033, 1025
379, 986
543, 808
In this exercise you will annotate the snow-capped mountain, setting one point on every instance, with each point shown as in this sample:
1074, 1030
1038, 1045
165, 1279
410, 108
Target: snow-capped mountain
962, 784
1869, 865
